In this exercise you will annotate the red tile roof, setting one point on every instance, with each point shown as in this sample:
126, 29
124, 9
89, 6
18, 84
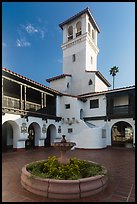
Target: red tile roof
30, 80
98, 73
58, 77
104, 92
87, 10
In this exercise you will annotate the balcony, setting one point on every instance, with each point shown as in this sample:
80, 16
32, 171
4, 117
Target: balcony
124, 109
9, 102
14, 103
70, 37
78, 33
32, 106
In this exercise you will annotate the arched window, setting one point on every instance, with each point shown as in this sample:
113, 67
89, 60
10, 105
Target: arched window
70, 33
93, 35
68, 85
90, 82
91, 60
78, 28
89, 29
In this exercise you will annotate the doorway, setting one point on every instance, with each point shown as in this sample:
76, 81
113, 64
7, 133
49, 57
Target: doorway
122, 134
7, 137
51, 134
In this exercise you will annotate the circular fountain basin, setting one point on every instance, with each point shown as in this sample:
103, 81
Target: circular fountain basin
64, 189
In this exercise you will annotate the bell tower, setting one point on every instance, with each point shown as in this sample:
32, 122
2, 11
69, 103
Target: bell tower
79, 46
80, 51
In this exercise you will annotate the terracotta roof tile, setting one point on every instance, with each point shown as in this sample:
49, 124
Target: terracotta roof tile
58, 77
87, 10
30, 80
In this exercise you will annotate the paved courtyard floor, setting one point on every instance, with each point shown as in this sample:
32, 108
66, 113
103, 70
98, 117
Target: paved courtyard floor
120, 163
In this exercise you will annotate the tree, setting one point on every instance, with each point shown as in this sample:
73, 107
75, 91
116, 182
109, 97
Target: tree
113, 71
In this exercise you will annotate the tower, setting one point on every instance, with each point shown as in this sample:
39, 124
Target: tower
80, 51
79, 46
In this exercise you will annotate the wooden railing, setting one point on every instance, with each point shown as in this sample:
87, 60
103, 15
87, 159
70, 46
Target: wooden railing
14, 103
9, 102
124, 109
30, 106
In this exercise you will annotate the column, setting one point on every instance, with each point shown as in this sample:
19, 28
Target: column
41, 100
44, 100
24, 97
2, 92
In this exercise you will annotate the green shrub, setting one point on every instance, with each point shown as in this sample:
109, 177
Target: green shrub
75, 169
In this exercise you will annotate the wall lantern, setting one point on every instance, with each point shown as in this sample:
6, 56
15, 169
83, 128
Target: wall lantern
23, 128
44, 129
59, 129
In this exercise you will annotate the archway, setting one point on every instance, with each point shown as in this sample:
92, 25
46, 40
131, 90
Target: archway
51, 134
10, 135
33, 136
81, 114
122, 134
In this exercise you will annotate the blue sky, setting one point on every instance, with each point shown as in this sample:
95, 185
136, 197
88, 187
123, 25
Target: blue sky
32, 38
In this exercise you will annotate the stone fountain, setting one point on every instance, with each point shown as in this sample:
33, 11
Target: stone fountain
63, 189
63, 147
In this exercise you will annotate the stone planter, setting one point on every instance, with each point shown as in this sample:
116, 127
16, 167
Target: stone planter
63, 189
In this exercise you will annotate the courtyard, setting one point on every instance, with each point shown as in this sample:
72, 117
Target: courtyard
120, 163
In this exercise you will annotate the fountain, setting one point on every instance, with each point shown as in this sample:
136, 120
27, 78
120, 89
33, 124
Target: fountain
62, 188
63, 146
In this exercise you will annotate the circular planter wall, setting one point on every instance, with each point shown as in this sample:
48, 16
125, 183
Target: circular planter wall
63, 189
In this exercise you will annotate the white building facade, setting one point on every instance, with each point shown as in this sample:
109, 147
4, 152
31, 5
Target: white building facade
78, 103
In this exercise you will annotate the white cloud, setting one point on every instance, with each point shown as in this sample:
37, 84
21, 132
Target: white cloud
31, 29
22, 43
4, 44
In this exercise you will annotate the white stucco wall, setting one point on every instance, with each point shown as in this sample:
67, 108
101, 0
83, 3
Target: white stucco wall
61, 84
19, 138
100, 85
108, 126
101, 111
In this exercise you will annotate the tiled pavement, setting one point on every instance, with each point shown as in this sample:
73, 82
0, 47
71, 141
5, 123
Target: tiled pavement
120, 163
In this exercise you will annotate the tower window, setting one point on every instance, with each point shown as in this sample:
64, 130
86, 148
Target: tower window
78, 29
70, 33
94, 103
68, 85
90, 82
73, 58
93, 35
91, 60
89, 29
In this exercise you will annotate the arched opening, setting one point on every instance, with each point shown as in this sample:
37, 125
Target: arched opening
90, 82
33, 136
122, 134
70, 33
89, 29
78, 28
81, 114
10, 135
51, 134
93, 34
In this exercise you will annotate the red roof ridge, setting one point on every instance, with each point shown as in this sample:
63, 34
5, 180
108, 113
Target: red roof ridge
27, 79
58, 77
107, 91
